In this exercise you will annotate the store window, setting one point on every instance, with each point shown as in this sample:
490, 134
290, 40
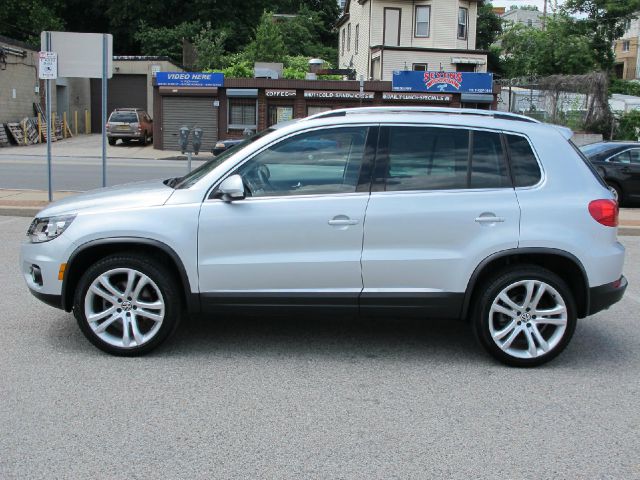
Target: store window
280, 113
357, 40
420, 67
243, 113
313, 109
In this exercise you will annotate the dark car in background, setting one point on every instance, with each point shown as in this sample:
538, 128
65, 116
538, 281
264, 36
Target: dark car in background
222, 145
129, 124
618, 163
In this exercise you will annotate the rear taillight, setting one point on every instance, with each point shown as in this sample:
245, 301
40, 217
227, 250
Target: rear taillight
604, 212
108, 125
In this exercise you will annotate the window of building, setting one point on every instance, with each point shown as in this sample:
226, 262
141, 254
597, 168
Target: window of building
313, 109
357, 40
626, 45
463, 17
349, 38
524, 165
529, 23
279, 113
344, 39
376, 74
420, 67
320, 162
243, 113
465, 67
391, 33
423, 13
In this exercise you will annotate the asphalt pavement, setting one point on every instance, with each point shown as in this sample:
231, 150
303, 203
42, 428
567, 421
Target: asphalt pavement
314, 399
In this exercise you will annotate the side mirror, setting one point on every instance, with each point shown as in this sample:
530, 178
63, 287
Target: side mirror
232, 188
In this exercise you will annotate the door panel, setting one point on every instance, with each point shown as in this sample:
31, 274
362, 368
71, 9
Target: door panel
444, 202
297, 237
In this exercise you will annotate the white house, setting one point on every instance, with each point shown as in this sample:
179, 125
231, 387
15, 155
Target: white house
380, 36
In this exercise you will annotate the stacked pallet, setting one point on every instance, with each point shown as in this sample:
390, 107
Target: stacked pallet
24, 132
4, 140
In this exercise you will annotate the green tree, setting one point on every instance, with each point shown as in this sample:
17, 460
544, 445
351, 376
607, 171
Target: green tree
268, 43
532, 8
165, 41
605, 22
25, 19
560, 49
210, 47
489, 26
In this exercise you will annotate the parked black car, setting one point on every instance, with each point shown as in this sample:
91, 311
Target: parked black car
222, 145
619, 164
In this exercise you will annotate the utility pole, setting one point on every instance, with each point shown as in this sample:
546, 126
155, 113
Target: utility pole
544, 16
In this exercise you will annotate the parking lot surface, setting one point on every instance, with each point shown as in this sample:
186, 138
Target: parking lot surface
312, 398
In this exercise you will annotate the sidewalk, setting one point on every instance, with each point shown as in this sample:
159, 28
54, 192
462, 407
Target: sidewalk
89, 146
26, 203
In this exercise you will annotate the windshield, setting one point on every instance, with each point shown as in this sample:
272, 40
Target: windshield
127, 117
191, 178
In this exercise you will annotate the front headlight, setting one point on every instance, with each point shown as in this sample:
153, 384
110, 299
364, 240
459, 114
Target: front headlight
48, 228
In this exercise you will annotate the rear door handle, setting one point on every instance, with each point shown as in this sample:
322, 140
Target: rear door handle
489, 219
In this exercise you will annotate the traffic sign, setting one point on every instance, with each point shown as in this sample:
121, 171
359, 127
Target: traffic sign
48, 65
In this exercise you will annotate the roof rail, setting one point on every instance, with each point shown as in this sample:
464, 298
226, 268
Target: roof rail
401, 109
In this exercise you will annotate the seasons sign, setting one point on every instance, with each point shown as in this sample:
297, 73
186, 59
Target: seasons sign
442, 82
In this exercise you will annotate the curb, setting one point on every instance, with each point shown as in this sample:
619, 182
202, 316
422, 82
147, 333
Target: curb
175, 157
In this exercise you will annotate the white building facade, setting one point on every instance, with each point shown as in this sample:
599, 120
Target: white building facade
380, 36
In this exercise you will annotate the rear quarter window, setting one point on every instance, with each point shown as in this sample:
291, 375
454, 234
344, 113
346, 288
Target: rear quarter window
524, 164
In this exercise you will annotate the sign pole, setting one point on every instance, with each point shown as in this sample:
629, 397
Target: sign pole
48, 122
104, 110
189, 161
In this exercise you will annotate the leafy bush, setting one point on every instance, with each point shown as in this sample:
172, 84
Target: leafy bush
628, 126
625, 87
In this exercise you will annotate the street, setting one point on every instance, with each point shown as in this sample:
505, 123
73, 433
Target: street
84, 173
322, 398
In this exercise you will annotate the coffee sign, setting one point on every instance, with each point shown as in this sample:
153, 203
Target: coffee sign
278, 93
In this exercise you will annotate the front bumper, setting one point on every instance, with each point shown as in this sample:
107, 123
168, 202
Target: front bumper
602, 297
48, 257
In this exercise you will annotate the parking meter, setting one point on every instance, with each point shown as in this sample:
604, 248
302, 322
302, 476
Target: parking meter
196, 141
184, 139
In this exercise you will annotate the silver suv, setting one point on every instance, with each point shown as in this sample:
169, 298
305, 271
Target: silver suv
436, 213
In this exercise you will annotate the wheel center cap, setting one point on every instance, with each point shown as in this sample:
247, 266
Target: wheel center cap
126, 305
526, 316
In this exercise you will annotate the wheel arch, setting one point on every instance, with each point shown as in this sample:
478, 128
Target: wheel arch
564, 264
90, 252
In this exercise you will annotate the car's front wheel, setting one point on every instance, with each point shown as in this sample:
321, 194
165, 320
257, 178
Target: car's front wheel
525, 316
127, 305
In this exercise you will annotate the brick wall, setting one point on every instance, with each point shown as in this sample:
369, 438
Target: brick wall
18, 82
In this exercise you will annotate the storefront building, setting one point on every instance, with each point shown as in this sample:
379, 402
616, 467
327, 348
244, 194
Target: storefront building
235, 105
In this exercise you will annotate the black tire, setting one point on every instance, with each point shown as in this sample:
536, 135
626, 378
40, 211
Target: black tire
163, 279
145, 139
112, 141
617, 192
492, 288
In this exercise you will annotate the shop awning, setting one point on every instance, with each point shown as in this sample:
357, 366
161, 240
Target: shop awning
242, 92
476, 98
469, 60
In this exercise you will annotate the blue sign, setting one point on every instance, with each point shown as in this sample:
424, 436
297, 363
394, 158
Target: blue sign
442, 82
189, 79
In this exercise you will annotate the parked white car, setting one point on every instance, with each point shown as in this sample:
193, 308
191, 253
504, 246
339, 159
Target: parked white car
439, 213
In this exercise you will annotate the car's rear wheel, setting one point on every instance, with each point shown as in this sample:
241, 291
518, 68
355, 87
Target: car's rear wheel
525, 316
145, 139
112, 141
127, 305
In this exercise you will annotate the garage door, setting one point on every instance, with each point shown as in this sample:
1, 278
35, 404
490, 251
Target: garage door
192, 112
123, 91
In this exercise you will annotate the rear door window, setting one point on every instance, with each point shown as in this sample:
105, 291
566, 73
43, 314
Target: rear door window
432, 158
524, 165
125, 117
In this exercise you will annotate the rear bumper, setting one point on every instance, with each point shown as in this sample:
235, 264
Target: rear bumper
125, 134
604, 296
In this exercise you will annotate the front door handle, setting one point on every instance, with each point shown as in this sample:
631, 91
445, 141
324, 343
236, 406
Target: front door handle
342, 221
